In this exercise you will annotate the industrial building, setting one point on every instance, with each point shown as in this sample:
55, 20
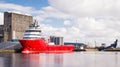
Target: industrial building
14, 26
56, 40
77, 45
1, 33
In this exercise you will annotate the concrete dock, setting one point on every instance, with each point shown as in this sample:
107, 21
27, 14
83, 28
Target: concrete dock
77, 50
112, 49
10, 47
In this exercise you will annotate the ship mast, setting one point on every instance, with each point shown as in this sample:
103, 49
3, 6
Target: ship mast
34, 24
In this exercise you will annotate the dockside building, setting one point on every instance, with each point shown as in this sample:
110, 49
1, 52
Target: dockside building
14, 26
56, 40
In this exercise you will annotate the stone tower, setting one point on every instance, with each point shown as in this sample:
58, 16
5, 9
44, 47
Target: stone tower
15, 25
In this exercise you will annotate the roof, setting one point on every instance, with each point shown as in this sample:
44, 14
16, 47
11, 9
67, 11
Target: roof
67, 43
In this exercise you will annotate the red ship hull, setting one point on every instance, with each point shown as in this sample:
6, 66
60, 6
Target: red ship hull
40, 45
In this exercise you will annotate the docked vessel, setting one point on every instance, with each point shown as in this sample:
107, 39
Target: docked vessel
34, 42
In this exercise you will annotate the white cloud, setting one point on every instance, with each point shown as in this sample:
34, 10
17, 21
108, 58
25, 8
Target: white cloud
83, 8
52, 12
15, 8
96, 19
67, 22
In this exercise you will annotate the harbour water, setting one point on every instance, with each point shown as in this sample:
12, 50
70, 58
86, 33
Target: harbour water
74, 59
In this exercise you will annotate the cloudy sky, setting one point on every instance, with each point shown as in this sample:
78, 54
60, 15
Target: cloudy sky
86, 21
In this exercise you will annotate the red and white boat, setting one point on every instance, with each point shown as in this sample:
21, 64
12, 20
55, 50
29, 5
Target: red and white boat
34, 42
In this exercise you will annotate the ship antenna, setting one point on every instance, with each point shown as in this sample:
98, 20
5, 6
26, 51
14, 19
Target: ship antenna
35, 23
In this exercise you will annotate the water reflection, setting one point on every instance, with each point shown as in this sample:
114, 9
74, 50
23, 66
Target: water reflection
5, 60
38, 60
76, 59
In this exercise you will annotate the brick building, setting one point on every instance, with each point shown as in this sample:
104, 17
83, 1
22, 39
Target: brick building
14, 26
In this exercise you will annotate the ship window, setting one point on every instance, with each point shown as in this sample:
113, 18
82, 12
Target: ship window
33, 31
33, 34
30, 37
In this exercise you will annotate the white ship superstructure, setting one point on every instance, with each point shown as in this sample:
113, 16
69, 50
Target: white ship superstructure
33, 32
